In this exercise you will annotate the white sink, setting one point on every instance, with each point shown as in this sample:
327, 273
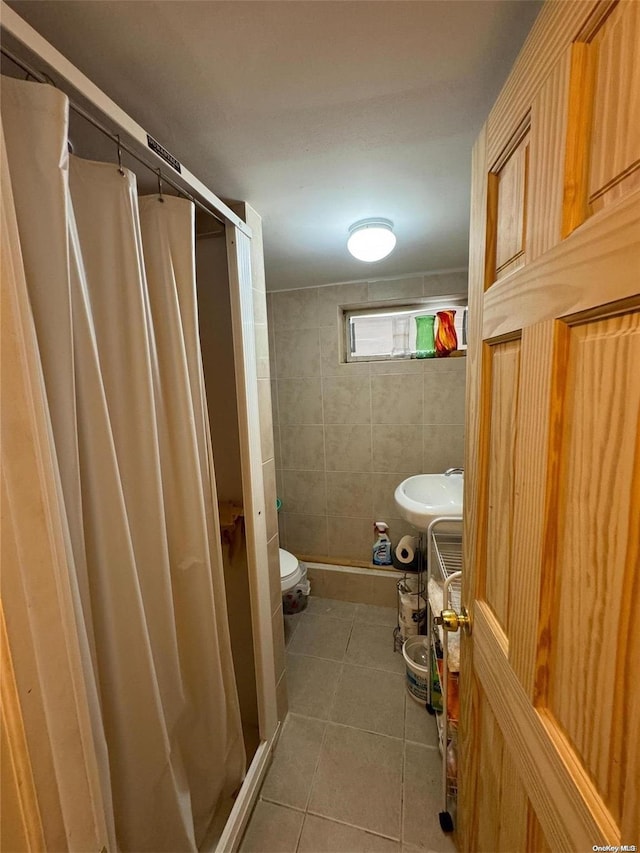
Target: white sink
424, 497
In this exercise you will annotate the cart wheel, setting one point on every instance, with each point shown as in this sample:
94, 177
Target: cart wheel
446, 822
430, 708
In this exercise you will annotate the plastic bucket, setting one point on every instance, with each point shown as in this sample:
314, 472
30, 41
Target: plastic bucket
417, 675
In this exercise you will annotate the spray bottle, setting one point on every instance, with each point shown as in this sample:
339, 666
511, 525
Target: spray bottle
382, 545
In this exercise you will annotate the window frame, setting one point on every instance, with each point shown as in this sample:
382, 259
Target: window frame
415, 306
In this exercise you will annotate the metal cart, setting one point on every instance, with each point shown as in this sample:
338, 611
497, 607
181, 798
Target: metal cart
444, 572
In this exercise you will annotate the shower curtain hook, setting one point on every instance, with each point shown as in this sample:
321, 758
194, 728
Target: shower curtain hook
160, 198
120, 169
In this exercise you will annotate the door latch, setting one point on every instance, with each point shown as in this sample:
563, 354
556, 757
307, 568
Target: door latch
452, 621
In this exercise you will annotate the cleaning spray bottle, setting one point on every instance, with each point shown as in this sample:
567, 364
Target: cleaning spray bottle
382, 545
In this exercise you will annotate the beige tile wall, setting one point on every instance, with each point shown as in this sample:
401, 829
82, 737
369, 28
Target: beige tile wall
345, 435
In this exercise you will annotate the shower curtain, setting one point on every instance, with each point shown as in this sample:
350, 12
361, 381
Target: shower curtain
111, 283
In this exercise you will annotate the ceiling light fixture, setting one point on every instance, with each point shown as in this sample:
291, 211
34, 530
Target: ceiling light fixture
371, 239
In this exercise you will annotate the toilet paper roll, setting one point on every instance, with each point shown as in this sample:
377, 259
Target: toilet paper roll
406, 549
413, 608
416, 620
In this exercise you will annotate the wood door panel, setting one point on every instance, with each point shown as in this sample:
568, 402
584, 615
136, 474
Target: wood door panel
508, 183
490, 773
515, 806
579, 123
570, 809
497, 772
598, 543
615, 137
511, 210
548, 143
602, 158
542, 377
505, 382
569, 278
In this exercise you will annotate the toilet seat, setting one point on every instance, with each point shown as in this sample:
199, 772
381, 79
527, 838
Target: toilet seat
290, 571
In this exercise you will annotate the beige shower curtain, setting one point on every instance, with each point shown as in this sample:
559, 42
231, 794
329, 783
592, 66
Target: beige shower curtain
116, 321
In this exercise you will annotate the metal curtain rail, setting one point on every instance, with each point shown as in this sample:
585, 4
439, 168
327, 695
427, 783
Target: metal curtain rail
43, 78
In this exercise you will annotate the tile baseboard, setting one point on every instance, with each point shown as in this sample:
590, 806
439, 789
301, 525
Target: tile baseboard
353, 583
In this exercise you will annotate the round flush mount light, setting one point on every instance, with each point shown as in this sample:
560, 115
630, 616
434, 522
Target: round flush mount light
371, 239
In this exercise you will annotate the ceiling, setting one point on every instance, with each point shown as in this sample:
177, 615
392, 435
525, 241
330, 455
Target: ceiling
317, 113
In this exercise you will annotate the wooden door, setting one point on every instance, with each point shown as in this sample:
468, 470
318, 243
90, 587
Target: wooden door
550, 728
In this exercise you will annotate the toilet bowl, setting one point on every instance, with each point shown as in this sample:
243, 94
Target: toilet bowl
293, 582
290, 571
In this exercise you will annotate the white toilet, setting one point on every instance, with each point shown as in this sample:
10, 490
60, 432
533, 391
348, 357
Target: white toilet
290, 571
293, 583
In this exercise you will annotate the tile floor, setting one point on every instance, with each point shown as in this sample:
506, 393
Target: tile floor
357, 768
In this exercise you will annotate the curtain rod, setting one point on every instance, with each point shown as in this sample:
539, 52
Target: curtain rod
115, 137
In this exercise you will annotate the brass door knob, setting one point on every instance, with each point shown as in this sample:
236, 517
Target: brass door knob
452, 621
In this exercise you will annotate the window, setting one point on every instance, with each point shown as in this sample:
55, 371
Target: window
376, 334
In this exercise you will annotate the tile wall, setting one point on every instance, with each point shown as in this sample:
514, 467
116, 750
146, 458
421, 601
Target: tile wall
345, 435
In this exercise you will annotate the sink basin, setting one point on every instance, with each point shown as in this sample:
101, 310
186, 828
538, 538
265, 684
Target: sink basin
424, 497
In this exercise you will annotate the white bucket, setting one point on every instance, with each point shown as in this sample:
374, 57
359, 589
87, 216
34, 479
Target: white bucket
417, 675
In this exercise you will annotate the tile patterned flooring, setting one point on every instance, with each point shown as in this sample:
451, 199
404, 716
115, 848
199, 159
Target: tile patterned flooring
357, 768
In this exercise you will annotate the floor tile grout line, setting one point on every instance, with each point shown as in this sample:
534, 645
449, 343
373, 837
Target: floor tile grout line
402, 798
373, 669
335, 692
404, 717
419, 743
282, 805
355, 826
346, 622
343, 659
315, 657
307, 616
304, 817
306, 813
315, 769
293, 632
324, 736
363, 620
346, 648
347, 726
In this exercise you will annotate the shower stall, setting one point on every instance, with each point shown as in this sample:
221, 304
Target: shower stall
141, 617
